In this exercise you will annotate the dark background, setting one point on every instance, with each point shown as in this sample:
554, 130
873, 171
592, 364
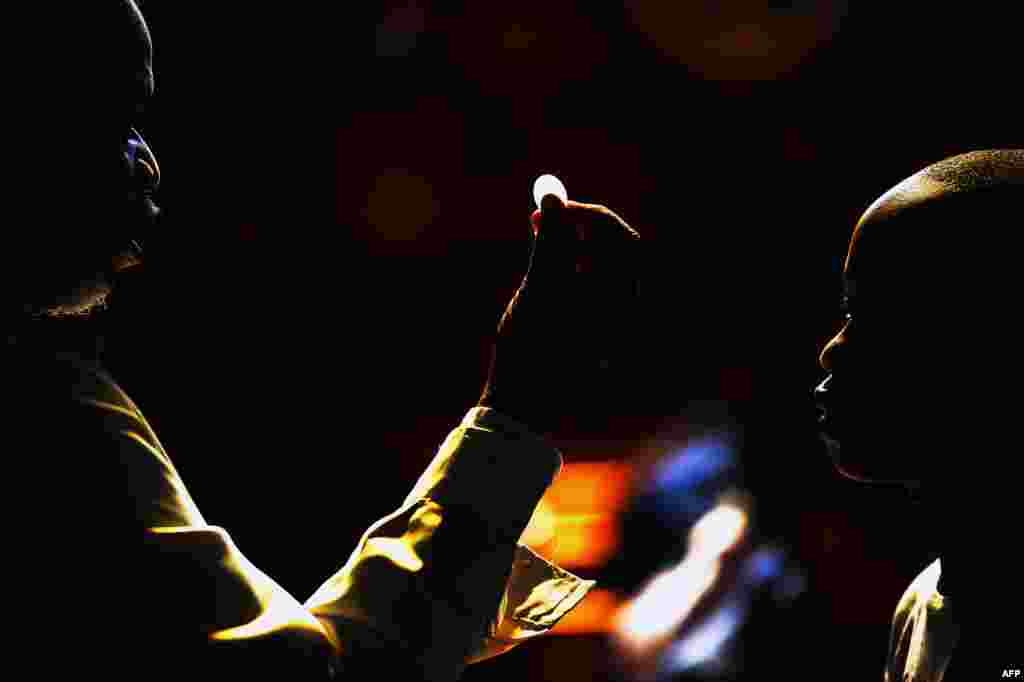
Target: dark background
343, 232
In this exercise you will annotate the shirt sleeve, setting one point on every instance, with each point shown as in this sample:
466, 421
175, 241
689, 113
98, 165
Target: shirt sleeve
182, 596
443, 579
437, 584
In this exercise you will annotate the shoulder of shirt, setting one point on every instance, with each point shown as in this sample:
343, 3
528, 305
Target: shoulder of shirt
920, 591
48, 385
910, 611
914, 602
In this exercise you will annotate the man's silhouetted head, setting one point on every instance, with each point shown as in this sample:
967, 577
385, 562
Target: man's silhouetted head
80, 185
923, 376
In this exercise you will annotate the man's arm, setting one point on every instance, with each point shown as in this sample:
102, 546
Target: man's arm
437, 584
443, 573
428, 587
180, 592
441, 581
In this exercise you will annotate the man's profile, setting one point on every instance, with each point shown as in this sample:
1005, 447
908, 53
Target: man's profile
112, 565
922, 391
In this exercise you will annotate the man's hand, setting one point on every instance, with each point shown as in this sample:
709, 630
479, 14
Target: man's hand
568, 323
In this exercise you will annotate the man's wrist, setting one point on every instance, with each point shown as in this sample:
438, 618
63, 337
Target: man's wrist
529, 419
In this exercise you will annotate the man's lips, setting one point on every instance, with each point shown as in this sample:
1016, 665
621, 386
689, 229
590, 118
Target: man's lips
828, 418
829, 434
821, 396
827, 428
828, 423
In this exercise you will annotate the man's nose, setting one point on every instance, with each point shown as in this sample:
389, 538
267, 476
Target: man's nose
832, 349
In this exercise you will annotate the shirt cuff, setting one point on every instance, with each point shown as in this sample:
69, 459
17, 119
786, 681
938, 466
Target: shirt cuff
538, 595
494, 466
448, 562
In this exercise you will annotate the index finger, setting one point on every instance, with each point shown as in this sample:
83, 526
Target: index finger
598, 222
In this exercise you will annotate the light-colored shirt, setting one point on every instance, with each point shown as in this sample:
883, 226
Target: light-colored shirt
444, 574
924, 633
132, 565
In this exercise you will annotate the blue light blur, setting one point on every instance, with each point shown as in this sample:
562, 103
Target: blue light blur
687, 483
702, 646
763, 565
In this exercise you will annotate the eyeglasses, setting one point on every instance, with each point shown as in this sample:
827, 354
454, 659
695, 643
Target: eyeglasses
142, 164
144, 180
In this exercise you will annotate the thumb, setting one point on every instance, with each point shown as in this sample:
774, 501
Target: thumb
555, 239
550, 202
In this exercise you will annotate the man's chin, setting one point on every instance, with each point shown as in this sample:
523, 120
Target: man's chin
835, 452
859, 468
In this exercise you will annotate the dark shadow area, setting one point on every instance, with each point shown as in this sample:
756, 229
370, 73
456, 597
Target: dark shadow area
342, 235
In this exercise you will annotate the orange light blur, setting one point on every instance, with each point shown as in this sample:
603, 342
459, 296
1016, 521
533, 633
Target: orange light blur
644, 621
576, 524
595, 615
